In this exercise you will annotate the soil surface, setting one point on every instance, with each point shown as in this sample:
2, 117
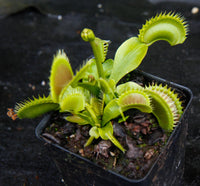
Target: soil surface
140, 135
30, 37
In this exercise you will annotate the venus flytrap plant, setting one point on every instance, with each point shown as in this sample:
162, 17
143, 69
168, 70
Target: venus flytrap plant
93, 95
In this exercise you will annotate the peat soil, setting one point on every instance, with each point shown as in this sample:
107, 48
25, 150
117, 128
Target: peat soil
30, 37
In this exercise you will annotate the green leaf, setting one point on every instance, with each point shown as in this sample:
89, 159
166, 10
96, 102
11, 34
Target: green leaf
161, 110
73, 103
128, 57
36, 107
61, 74
135, 99
168, 27
85, 115
89, 141
105, 86
94, 132
123, 119
103, 132
91, 87
77, 119
107, 133
79, 75
92, 70
92, 114
98, 104
73, 100
107, 67
111, 111
167, 107
108, 98
100, 49
122, 88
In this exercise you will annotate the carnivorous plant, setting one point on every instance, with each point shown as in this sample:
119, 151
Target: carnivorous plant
94, 96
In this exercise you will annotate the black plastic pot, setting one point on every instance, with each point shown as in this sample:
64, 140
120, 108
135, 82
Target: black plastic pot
167, 169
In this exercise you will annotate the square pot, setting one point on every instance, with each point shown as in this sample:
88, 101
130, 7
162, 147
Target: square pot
166, 170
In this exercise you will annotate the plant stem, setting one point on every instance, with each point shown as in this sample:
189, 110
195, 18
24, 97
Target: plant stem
92, 114
89, 141
97, 58
115, 141
97, 47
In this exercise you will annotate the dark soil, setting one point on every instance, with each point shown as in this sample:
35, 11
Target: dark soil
140, 135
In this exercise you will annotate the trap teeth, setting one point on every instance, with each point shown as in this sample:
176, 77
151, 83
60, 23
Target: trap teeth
166, 105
